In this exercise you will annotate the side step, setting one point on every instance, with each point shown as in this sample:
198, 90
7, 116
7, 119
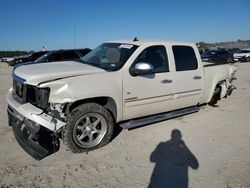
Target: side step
132, 124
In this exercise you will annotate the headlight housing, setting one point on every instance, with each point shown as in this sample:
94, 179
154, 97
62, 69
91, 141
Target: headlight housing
24, 93
39, 97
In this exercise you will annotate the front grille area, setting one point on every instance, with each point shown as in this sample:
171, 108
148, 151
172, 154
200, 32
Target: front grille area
19, 92
24, 93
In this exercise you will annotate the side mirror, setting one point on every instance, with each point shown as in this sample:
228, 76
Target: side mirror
141, 68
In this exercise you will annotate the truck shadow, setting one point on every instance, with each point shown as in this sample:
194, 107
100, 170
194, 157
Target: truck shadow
172, 160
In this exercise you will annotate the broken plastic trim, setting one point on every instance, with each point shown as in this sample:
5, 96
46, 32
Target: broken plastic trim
38, 144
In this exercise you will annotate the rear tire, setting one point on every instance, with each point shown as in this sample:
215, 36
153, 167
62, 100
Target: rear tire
90, 126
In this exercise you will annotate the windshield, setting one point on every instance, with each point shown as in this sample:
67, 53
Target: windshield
109, 56
43, 58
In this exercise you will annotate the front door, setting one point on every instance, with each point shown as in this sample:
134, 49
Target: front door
151, 93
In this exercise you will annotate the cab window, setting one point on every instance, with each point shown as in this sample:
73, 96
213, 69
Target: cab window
185, 58
156, 56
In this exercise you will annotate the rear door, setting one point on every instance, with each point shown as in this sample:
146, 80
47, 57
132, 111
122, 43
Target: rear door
187, 77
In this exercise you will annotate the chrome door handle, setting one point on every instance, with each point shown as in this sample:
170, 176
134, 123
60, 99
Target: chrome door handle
197, 77
166, 81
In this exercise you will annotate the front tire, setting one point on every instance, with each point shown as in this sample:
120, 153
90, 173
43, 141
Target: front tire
90, 126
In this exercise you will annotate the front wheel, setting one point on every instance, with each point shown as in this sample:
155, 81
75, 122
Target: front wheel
89, 127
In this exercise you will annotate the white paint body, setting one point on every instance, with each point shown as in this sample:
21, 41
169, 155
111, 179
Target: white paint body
72, 81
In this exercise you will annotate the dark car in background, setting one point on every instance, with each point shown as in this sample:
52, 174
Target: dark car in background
27, 58
202, 51
217, 56
63, 55
60, 55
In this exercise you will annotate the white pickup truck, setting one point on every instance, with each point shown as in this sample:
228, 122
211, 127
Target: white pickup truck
122, 83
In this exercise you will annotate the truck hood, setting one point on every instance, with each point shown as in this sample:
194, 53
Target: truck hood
34, 74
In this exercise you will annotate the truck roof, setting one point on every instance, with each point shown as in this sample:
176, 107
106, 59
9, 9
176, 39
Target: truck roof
154, 41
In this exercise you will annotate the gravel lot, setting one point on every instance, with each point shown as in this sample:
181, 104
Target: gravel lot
216, 152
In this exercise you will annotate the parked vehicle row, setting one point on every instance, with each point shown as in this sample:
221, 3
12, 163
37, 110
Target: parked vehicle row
27, 58
6, 59
60, 55
221, 56
217, 56
48, 56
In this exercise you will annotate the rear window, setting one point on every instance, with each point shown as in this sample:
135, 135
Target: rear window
185, 58
244, 51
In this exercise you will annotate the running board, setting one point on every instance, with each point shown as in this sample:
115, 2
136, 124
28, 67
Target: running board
132, 124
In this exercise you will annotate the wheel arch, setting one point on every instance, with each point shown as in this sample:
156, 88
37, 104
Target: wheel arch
220, 84
107, 102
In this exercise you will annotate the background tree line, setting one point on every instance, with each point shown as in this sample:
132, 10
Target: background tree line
233, 44
13, 53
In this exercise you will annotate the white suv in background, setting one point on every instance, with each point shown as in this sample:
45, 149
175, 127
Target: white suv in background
242, 55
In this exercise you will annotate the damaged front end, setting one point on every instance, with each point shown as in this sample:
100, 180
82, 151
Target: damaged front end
36, 123
36, 140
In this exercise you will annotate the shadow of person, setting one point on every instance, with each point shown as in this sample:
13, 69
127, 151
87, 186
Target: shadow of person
172, 159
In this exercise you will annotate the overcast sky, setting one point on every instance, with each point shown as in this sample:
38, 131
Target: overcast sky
31, 24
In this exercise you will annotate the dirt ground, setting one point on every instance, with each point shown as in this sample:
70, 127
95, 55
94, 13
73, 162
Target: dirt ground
214, 152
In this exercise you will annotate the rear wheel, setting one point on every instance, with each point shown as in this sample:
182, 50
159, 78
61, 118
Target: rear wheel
89, 127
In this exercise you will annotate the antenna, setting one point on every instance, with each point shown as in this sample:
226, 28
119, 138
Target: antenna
44, 48
135, 39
